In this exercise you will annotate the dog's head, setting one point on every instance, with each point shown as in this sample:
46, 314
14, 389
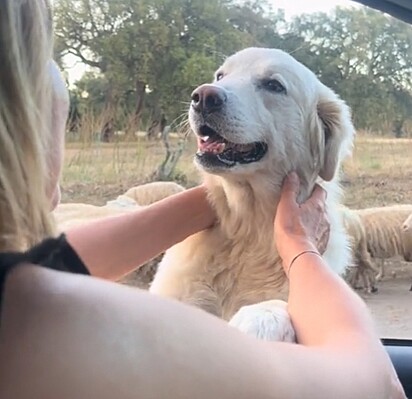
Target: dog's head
267, 112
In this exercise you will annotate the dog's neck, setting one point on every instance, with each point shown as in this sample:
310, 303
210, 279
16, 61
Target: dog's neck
246, 204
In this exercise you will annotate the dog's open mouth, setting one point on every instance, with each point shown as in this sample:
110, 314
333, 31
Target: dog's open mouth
215, 150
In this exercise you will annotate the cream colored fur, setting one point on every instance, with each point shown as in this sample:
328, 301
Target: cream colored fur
362, 266
383, 231
149, 193
407, 238
76, 214
73, 214
309, 130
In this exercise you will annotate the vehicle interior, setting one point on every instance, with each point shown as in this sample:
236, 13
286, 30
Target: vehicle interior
400, 350
401, 9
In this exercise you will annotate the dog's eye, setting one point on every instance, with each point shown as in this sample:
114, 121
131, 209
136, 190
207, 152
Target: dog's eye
219, 76
273, 85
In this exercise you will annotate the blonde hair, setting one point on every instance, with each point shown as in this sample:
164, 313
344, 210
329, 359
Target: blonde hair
25, 103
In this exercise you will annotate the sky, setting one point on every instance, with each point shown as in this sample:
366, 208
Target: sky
294, 7
75, 69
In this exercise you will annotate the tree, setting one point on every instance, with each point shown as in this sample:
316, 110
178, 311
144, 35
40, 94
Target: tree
142, 46
365, 56
148, 55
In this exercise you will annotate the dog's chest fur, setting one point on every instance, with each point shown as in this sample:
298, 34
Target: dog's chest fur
236, 263
232, 265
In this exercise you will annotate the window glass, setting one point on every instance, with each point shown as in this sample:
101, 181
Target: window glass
131, 68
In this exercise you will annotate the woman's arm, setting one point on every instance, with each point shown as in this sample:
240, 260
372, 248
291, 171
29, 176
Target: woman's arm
69, 336
325, 312
112, 247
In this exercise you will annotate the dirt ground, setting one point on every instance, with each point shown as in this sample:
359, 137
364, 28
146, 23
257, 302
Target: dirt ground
391, 306
379, 175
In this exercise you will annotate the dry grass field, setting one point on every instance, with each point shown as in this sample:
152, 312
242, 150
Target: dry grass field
96, 172
378, 174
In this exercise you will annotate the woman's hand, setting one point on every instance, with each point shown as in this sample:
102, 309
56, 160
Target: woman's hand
302, 227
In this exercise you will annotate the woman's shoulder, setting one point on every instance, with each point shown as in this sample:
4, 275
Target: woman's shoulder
65, 326
35, 285
52, 253
84, 337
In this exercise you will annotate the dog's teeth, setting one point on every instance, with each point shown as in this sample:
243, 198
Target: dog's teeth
204, 138
220, 148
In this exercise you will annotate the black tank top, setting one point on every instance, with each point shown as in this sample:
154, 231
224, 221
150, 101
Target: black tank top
52, 253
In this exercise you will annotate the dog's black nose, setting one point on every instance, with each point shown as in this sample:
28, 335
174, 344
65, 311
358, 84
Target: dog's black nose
208, 98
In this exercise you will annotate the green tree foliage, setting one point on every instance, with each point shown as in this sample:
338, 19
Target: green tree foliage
366, 57
148, 55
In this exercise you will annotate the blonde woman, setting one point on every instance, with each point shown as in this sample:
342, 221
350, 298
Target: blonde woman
64, 334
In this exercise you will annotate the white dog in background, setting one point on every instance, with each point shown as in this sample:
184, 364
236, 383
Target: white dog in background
264, 115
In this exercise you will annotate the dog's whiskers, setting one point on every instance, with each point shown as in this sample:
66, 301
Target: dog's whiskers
179, 120
302, 47
183, 128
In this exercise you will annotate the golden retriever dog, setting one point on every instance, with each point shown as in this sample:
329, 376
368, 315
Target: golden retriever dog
264, 115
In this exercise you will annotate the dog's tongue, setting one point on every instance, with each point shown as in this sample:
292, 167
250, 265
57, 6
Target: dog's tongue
216, 146
205, 144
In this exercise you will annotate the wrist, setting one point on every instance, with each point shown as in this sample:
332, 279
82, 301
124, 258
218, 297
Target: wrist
203, 213
294, 248
301, 256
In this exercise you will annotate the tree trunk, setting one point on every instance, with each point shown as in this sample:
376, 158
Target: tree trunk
165, 171
107, 131
156, 127
397, 128
140, 95
133, 123
74, 118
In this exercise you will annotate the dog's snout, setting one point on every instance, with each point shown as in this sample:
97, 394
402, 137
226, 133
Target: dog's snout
208, 98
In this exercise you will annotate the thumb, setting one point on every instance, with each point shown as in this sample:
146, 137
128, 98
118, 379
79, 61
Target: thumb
290, 190
319, 194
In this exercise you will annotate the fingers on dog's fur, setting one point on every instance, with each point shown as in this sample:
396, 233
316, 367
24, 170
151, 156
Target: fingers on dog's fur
319, 194
290, 189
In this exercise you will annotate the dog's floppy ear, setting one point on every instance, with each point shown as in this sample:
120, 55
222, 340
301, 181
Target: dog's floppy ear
335, 133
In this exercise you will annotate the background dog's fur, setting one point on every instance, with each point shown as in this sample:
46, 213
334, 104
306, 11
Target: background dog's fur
308, 130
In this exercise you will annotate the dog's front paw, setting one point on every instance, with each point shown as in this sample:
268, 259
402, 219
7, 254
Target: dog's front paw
267, 320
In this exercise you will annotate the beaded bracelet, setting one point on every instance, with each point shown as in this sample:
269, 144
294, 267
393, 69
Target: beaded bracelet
298, 255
